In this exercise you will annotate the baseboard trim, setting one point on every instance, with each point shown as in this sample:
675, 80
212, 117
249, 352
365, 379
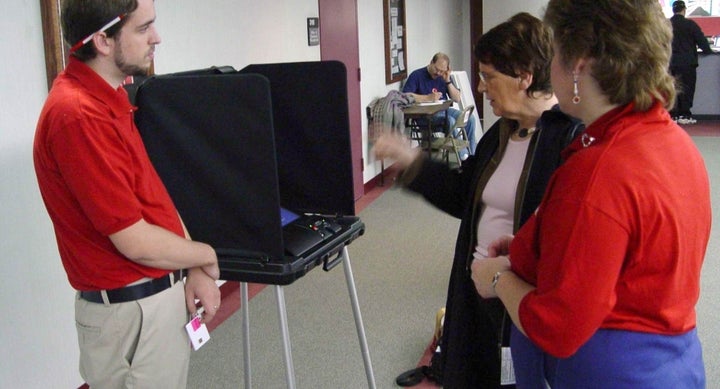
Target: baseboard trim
386, 178
231, 298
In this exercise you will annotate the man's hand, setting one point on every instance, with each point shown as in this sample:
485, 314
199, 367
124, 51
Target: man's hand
199, 285
446, 75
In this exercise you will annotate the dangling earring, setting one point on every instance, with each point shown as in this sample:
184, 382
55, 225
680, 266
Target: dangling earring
576, 94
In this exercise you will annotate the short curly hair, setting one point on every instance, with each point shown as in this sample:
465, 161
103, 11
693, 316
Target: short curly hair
522, 44
629, 41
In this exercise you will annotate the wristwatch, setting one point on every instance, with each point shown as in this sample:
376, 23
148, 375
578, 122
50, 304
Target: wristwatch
496, 278
448, 82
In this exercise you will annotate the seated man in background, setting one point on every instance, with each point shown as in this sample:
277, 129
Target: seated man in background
432, 83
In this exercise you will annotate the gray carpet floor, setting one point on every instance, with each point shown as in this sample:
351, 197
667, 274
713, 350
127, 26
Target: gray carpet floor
401, 266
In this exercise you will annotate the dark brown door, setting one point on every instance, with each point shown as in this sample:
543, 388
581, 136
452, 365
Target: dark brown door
476, 30
339, 41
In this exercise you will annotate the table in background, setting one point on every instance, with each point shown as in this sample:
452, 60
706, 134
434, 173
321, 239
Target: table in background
426, 111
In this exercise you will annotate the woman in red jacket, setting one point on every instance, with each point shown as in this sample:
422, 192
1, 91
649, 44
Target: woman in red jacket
601, 283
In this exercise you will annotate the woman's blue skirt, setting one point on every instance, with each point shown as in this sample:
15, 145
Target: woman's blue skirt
613, 359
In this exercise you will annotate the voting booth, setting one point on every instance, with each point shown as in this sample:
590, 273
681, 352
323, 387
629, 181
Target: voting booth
258, 164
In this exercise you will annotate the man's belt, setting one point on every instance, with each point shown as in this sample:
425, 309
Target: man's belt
133, 292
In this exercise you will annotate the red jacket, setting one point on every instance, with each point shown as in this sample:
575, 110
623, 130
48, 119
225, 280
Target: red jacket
96, 179
620, 236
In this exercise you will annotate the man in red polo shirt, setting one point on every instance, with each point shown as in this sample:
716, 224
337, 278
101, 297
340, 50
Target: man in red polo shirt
120, 238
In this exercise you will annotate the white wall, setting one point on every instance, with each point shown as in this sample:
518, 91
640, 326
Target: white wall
39, 337
200, 34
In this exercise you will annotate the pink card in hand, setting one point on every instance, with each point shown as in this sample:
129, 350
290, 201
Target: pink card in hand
198, 332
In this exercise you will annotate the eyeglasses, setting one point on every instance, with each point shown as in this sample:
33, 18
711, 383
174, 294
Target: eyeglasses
486, 77
437, 71
104, 28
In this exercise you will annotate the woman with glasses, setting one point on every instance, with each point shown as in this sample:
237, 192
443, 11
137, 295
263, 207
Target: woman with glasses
494, 192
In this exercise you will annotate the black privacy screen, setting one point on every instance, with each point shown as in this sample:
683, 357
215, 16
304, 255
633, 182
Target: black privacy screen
233, 147
312, 135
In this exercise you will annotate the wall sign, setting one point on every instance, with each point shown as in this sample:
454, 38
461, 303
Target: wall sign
395, 41
313, 27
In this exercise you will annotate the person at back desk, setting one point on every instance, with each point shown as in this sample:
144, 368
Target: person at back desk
687, 37
432, 83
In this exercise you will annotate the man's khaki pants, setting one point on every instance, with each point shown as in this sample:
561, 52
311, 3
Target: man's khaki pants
137, 344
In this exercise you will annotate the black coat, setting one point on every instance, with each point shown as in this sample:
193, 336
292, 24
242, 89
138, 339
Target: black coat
474, 326
687, 37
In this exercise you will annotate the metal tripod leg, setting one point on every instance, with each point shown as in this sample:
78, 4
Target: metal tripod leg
350, 280
245, 310
282, 312
289, 369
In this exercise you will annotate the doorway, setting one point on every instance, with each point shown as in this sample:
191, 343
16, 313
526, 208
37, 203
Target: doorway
339, 41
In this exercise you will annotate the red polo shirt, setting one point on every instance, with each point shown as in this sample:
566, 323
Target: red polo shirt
96, 179
619, 239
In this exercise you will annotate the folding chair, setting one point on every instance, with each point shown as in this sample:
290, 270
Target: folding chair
456, 139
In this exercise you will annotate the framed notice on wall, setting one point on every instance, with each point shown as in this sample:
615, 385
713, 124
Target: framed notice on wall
395, 42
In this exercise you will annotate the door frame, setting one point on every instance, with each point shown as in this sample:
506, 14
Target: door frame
339, 41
